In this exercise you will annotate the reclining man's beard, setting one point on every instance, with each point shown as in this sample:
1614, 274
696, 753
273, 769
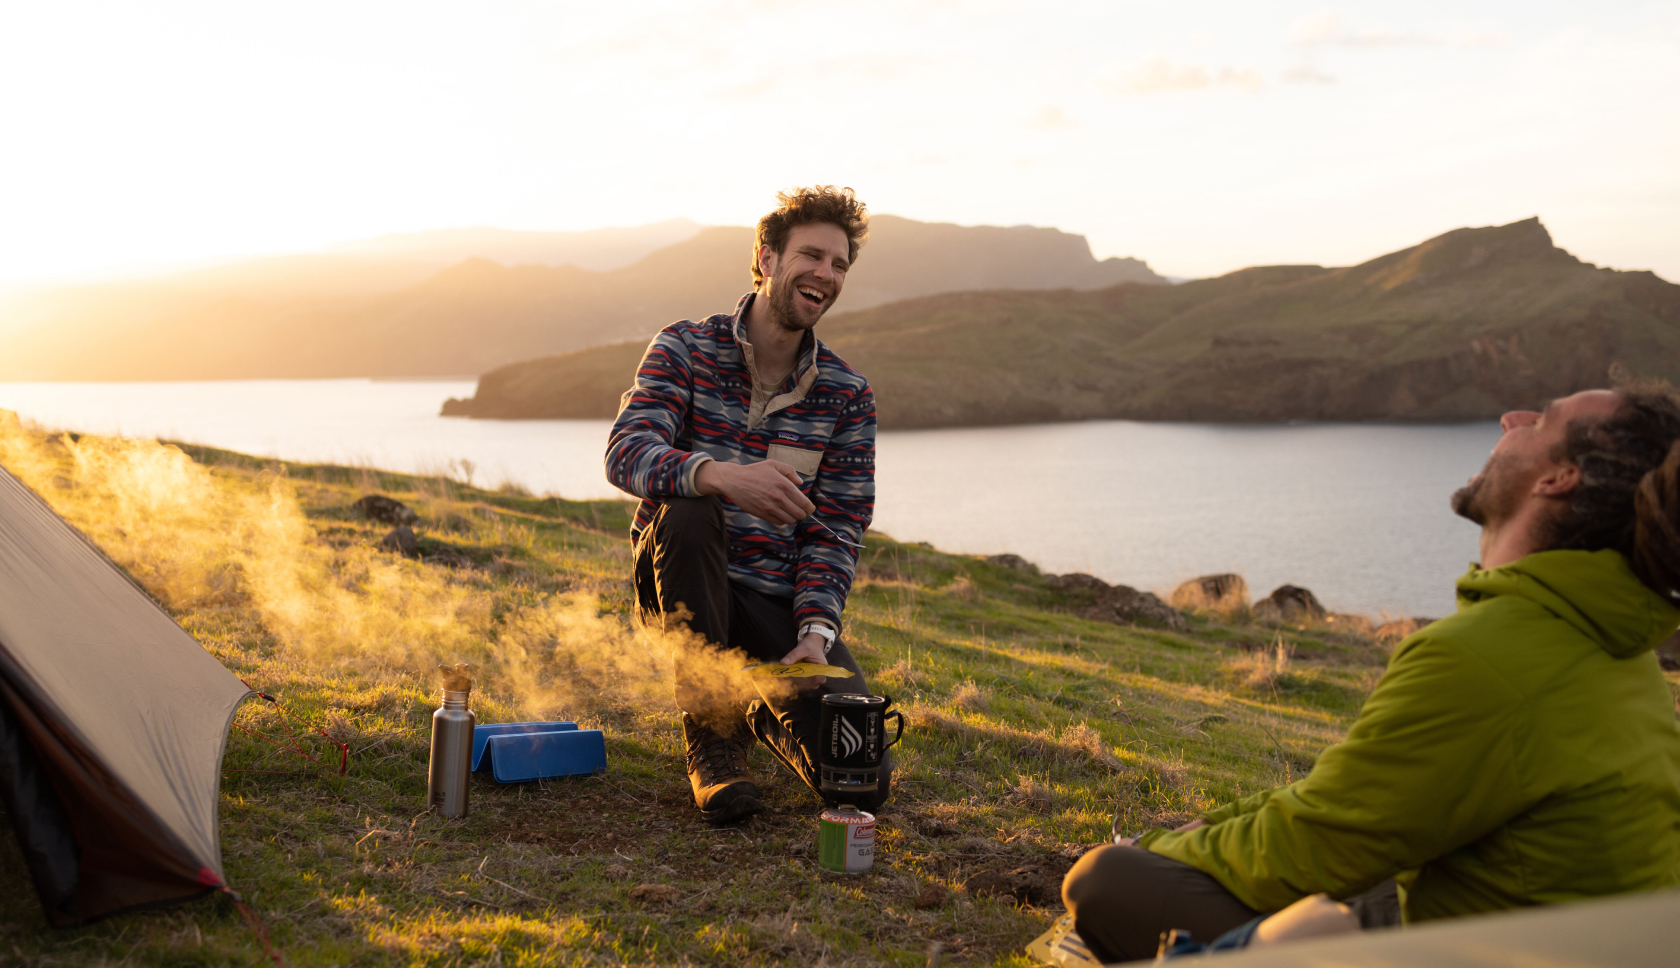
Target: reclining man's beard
1490, 502
1493, 495
1466, 503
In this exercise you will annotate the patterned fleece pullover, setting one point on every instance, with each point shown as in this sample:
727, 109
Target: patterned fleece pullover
697, 398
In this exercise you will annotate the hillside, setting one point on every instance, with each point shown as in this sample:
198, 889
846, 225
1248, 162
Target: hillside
384, 310
1462, 327
1031, 725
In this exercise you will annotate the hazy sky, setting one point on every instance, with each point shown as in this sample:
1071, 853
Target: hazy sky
1199, 136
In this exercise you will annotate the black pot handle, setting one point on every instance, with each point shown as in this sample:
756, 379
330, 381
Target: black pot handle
893, 714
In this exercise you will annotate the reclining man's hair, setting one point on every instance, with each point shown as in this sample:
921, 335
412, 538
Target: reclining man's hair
1629, 496
807, 206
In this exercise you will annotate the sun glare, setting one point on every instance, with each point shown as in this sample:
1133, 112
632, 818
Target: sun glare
1202, 139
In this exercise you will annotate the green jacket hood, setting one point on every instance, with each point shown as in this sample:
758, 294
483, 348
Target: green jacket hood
1594, 591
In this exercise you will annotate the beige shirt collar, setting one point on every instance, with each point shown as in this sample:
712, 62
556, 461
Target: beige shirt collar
766, 399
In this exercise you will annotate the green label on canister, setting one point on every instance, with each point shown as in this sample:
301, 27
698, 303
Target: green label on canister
846, 840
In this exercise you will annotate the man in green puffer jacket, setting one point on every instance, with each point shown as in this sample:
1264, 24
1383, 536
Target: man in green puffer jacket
1523, 751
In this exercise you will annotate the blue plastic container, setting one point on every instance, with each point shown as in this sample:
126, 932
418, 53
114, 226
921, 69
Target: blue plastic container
521, 752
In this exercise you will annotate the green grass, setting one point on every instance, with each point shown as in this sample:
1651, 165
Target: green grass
1029, 730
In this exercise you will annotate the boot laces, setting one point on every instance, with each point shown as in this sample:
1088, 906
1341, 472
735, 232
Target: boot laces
717, 758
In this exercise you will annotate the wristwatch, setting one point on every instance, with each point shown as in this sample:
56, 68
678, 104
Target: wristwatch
827, 633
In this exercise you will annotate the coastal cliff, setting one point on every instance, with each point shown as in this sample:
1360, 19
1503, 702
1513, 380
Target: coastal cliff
1461, 327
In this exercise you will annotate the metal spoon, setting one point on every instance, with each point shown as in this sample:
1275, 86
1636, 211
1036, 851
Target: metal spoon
832, 532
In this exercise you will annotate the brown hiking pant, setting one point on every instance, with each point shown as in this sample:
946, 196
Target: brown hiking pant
1124, 898
682, 566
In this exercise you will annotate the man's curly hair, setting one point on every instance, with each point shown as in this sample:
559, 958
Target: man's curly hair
1629, 496
806, 206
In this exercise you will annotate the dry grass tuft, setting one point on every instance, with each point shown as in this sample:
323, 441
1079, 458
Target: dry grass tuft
1269, 668
903, 674
1170, 774
1081, 738
785, 937
1034, 794
969, 698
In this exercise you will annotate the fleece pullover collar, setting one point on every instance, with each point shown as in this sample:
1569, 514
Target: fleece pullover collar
1594, 591
769, 398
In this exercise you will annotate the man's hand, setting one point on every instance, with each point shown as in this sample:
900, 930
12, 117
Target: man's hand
768, 489
809, 649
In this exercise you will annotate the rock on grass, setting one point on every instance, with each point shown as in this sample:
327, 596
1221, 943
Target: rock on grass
1220, 593
1013, 562
1290, 603
1093, 598
378, 507
402, 541
654, 893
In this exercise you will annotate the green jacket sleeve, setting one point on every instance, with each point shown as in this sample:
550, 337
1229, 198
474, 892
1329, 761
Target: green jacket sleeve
1237, 808
1427, 767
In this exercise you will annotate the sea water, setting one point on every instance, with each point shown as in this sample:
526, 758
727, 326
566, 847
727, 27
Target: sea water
1357, 513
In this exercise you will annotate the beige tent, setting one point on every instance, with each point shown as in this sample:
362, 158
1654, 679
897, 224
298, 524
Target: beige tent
1631, 931
113, 721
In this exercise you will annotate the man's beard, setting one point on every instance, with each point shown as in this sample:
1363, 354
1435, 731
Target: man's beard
1467, 501
1489, 497
783, 311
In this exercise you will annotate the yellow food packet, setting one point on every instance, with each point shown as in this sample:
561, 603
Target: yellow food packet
799, 670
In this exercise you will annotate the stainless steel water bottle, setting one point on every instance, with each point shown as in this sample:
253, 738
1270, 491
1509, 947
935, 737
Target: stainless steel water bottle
452, 743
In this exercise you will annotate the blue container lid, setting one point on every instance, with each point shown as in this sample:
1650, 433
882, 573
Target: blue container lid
521, 752
482, 734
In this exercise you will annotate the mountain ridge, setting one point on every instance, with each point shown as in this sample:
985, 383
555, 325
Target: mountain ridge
1463, 326
477, 314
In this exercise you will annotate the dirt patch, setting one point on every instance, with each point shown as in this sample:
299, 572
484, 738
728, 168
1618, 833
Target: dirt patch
1026, 885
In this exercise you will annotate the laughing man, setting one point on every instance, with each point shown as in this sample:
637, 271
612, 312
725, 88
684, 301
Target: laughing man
1521, 752
752, 447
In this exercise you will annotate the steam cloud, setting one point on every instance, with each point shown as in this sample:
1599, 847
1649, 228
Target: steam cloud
200, 540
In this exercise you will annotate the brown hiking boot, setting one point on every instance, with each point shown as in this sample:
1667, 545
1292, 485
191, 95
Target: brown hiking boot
717, 770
